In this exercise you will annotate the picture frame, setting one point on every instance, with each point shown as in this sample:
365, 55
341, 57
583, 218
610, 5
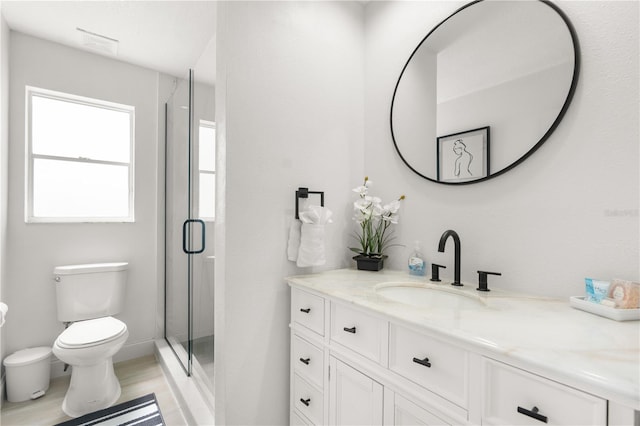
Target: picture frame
463, 156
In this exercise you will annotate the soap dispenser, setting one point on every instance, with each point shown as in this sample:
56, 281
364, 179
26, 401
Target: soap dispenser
416, 262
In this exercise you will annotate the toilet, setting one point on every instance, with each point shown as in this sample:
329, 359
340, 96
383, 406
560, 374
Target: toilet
86, 297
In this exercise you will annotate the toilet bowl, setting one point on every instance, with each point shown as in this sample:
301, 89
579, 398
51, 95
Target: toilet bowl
86, 297
88, 347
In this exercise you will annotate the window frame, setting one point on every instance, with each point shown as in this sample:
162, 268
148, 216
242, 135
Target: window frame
30, 92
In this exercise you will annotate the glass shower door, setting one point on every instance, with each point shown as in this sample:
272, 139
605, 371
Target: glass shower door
189, 204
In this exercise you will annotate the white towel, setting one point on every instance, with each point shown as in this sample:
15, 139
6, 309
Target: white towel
294, 240
311, 251
3, 313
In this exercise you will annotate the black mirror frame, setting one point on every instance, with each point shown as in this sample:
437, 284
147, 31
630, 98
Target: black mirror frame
554, 125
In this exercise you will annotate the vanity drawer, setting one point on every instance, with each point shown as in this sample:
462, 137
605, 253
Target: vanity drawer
308, 361
431, 363
516, 397
297, 420
358, 331
308, 310
307, 400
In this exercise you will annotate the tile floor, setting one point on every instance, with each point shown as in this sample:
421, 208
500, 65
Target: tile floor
138, 377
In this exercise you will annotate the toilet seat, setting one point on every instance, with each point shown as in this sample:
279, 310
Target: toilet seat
83, 334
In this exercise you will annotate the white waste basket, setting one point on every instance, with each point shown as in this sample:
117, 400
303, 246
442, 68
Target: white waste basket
28, 373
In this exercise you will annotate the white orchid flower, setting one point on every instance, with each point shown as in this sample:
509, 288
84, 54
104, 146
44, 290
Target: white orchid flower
392, 207
361, 190
373, 200
362, 204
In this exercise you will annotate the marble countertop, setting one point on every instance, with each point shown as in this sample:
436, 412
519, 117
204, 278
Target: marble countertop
596, 354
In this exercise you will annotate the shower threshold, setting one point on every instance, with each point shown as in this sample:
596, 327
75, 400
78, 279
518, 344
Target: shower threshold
196, 401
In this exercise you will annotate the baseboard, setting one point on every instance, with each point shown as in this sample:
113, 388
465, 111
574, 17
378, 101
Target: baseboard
132, 351
135, 350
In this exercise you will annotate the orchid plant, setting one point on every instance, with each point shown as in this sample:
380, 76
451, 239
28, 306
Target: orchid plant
374, 219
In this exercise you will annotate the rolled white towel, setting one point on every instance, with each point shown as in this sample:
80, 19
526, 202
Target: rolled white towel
3, 313
293, 244
311, 252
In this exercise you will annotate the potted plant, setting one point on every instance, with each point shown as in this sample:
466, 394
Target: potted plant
374, 234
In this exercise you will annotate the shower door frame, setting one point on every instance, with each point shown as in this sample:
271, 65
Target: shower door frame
187, 237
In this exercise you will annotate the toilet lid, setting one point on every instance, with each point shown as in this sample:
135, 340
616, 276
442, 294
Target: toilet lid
91, 332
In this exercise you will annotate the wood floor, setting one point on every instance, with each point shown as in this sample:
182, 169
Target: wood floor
137, 377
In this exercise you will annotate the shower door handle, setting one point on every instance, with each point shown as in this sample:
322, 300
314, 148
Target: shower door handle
185, 225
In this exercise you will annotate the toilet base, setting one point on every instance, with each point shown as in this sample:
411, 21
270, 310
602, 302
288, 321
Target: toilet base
92, 388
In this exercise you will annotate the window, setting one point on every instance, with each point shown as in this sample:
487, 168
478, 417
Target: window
79, 159
207, 170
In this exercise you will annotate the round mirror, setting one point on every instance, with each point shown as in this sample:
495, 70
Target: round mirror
484, 89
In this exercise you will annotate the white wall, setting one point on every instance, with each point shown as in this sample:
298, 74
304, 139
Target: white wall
37, 248
290, 114
4, 163
571, 210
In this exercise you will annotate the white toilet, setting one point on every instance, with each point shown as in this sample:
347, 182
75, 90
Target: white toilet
87, 296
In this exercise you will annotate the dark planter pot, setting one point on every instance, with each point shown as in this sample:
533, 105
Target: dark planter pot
368, 263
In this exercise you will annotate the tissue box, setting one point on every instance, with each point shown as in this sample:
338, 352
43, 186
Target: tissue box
626, 294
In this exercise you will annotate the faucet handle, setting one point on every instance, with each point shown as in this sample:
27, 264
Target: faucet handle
435, 272
482, 280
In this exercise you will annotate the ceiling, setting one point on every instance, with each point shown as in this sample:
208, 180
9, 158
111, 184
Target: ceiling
166, 36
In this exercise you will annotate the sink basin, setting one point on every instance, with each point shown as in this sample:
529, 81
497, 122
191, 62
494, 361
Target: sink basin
427, 296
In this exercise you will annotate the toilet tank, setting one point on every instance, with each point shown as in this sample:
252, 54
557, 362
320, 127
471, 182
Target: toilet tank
90, 291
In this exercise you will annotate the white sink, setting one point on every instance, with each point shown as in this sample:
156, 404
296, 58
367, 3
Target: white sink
428, 296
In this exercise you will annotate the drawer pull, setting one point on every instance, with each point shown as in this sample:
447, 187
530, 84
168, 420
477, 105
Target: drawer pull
305, 360
306, 401
351, 330
306, 311
424, 362
533, 413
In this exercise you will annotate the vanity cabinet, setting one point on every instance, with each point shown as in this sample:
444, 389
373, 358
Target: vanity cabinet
354, 366
343, 372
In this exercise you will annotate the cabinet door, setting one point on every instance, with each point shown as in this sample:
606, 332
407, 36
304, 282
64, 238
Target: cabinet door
407, 413
354, 398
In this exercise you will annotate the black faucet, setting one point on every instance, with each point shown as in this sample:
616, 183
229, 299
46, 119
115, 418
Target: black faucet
456, 264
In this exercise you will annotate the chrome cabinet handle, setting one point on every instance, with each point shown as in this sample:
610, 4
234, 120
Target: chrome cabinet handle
424, 362
533, 413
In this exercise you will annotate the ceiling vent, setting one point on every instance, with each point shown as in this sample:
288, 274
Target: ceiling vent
98, 43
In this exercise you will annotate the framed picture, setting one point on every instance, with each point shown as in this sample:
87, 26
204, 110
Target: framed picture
463, 156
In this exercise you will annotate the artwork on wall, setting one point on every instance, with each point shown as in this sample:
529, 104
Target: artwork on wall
463, 156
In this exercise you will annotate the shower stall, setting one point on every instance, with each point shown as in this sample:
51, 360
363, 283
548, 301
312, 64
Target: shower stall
189, 215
